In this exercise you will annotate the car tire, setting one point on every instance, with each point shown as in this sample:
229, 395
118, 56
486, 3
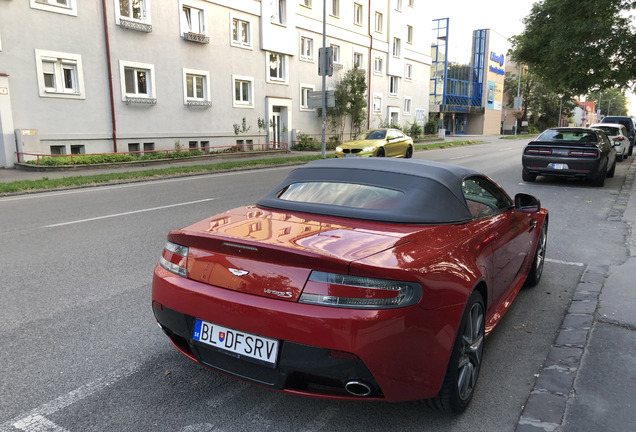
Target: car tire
612, 170
465, 361
528, 177
600, 179
409, 152
380, 152
534, 276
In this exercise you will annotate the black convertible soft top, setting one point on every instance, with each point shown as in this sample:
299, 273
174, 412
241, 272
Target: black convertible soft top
432, 191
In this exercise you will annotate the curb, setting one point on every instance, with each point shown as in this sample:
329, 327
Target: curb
545, 408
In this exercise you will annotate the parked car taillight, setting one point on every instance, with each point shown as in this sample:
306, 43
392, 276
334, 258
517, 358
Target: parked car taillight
539, 151
619, 138
583, 153
356, 292
174, 258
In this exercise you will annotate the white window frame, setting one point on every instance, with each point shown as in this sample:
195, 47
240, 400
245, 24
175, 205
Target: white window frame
61, 64
409, 34
357, 14
378, 65
306, 48
249, 103
283, 67
376, 103
398, 5
411, 3
361, 63
408, 105
397, 47
198, 23
408, 71
136, 66
239, 43
334, 8
337, 58
205, 76
145, 12
279, 14
379, 22
304, 96
68, 7
306, 3
394, 85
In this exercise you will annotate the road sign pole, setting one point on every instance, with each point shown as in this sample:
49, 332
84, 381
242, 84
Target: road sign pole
324, 76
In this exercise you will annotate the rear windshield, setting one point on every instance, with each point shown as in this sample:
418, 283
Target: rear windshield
343, 194
561, 135
609, 130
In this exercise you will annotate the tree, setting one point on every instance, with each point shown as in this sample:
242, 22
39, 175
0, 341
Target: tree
576, 46
351, 103
613, 99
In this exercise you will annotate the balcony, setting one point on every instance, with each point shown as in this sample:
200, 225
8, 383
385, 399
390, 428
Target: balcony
135, 25
196, 37
130, 100
198, 104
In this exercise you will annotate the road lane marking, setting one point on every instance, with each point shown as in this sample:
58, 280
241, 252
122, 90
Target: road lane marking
36, 420
461, 157
578, 264
126, 213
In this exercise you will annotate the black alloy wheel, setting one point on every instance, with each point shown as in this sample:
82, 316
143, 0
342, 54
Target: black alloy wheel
380, 152
409, 152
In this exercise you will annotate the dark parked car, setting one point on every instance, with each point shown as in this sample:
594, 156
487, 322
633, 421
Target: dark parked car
629, 125
584, 153
354, 279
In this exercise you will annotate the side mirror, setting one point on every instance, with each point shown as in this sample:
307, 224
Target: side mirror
527, 203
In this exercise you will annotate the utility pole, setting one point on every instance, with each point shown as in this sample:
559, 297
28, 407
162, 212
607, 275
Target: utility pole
324, 76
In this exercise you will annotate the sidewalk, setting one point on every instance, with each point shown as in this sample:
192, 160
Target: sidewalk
588, 380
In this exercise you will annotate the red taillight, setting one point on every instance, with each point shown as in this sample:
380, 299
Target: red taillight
583, 153
619, 139
347, 291
539, 151
174, 258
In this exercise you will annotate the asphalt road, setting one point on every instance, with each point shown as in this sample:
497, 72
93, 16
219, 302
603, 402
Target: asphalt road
81, 351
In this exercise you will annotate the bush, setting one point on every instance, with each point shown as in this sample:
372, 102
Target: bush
430, 128
304, 142
414, 130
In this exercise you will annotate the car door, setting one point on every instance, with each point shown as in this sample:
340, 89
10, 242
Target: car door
506, 233
391, 142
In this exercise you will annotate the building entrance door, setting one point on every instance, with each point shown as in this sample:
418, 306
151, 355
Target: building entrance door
275, 127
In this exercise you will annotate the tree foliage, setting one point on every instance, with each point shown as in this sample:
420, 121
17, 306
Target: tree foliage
576, 46
611, 99
351, 103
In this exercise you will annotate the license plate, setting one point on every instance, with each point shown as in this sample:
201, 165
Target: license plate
238, 342
350, 155
559, 166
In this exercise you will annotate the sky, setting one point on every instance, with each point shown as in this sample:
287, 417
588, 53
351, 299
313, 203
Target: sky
503, 16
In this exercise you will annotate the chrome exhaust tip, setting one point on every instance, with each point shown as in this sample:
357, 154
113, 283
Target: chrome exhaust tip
358, 388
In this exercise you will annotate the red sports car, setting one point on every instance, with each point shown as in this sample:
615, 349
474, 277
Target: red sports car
353, 279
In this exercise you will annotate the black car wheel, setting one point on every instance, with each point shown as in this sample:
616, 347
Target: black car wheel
612, 170
600, 179
409, 152
465, 362
380, 152
539, 257
527, 177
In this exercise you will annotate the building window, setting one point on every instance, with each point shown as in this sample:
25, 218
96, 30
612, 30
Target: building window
408, 71
304, 96
411, 3
398, 5
306, 48
243, 88
407, 105
57, 149
306, 3
137, 82
241, 35
196, 88
66, 7
409, 34
357, 14
279, 13
192, 20
334, 8
136, 10
78, 149
59, 74
133, 148
277, 67
379, 26
396, 47
358, 60
149, 146
394, 85
336, 53
378, 65
377, 103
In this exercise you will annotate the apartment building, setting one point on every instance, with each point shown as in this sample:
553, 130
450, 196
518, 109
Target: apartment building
133, 75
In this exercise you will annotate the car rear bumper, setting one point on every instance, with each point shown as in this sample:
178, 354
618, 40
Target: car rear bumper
562, 167
400, 354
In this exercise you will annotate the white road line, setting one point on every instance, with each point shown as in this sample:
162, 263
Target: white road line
36, 419
127, 213
461, 157
578, 264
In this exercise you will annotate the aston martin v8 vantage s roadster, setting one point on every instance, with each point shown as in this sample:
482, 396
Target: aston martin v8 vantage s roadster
353, 279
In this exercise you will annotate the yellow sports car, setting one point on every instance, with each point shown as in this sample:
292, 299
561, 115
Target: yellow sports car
378, 143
